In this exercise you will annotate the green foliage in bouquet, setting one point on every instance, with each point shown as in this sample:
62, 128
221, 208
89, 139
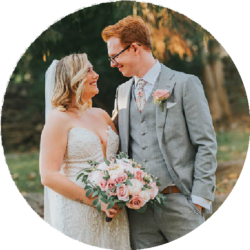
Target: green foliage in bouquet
100, 184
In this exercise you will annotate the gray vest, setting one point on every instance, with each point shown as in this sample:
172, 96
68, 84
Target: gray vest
143, 142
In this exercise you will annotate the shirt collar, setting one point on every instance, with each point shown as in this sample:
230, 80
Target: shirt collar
151, 76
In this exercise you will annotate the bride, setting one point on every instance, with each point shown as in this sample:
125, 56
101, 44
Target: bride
75, 133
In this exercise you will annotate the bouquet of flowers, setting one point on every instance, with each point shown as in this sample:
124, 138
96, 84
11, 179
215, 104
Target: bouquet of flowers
121, 181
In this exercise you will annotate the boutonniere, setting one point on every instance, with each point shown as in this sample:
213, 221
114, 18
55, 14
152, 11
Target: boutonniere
160, 96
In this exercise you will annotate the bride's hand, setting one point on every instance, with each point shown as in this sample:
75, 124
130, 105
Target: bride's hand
112, 212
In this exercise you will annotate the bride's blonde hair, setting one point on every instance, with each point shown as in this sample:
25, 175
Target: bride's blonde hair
70, 77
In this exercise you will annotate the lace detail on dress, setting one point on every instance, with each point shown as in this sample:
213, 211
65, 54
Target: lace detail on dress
113, 143
80, 221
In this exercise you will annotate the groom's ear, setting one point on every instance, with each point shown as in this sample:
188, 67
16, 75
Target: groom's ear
135, 47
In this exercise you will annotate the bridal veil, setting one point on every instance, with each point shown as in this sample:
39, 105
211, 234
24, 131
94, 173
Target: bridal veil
49, 194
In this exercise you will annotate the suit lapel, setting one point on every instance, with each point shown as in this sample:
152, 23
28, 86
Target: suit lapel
124, 96
166, 81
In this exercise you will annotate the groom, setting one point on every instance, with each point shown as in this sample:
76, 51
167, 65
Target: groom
178, 143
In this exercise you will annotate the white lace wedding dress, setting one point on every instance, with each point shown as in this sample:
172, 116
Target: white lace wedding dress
79, 221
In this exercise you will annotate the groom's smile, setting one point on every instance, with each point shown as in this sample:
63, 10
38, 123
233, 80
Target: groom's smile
120, 67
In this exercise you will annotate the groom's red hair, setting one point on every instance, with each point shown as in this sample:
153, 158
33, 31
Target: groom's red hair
129, 30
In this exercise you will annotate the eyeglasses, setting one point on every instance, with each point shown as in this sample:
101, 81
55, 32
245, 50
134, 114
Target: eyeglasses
112, 59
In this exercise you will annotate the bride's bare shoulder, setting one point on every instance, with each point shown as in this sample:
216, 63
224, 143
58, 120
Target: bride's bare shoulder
57, 115
101, 113
58, 119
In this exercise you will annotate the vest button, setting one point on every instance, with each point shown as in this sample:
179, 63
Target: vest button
144, 147
145, 161
142, 120
142, 133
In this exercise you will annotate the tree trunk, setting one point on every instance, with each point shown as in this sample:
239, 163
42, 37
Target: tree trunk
212, 93
210, 86
217, 67
213, 76
135, 9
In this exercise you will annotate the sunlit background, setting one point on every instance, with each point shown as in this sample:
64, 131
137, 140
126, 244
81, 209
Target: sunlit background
178, 42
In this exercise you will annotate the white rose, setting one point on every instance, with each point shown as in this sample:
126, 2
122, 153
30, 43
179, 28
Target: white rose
95, 176
103, 166
145, 195
130, 169
135, 188
114, 174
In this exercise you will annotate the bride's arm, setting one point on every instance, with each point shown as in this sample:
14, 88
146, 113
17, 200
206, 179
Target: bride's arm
52, 149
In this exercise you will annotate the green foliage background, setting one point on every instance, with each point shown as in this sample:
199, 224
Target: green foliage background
24, 108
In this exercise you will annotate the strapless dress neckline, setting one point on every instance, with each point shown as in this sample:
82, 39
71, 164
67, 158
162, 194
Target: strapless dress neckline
109, 130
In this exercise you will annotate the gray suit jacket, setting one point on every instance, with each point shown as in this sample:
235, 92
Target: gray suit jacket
184, 130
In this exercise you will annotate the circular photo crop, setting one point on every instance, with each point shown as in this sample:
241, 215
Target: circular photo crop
125, 119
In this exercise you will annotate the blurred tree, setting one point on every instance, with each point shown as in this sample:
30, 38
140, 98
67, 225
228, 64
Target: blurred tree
178, 42
184, 45
76, 33
213, 78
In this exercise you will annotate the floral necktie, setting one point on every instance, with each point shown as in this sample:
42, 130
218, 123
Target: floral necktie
140, 98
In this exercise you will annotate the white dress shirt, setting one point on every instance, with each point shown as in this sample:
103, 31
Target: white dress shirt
150, 77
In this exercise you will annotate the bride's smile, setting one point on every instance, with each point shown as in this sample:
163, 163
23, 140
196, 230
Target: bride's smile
90, 84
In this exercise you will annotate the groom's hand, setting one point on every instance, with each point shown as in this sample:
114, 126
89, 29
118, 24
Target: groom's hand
199, 207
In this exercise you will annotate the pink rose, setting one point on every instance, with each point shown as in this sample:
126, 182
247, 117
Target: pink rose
122, 193
102, 184
111, 187
136, 202
154, 190
161, 94
121, 177
139, 174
